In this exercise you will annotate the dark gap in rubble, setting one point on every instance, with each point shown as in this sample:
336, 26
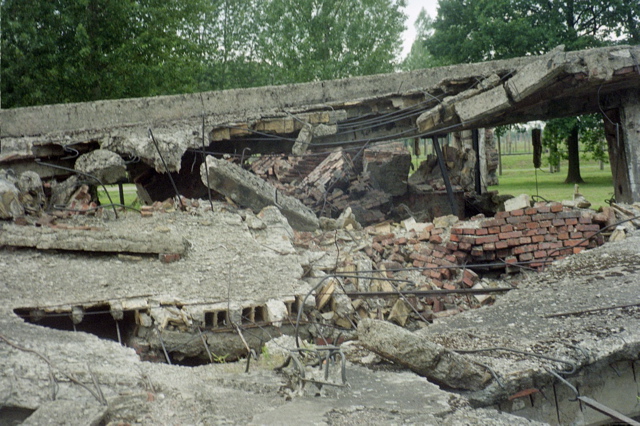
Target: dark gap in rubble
14, 415
96, 320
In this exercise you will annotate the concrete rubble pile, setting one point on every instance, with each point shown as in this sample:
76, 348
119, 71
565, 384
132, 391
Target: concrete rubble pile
376, 183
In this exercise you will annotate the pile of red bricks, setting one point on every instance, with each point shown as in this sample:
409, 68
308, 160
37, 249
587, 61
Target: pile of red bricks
532, 236
535, 235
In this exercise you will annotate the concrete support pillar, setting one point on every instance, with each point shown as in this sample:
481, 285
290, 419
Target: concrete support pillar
622, 128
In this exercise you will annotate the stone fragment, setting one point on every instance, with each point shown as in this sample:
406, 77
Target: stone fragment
618, 234
107, 166
399, 312
388, 168
276, 312
10, 206
423, 357
250, 191
483, 105
522, 201
85, 412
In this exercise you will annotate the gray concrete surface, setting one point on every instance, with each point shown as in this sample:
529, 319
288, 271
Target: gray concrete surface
230, 256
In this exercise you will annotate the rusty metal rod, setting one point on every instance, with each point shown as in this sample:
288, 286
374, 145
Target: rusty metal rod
427, 292
445, 175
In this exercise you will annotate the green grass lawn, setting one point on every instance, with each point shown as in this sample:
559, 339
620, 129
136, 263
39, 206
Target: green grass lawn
519, 177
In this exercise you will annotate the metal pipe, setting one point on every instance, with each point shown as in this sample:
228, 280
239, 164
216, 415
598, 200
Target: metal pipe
445, 175
166, 169
427, 292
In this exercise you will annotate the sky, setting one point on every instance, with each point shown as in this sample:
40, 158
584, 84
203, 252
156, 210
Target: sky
412, 10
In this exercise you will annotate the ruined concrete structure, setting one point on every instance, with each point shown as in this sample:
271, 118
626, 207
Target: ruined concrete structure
319, 116
280, 250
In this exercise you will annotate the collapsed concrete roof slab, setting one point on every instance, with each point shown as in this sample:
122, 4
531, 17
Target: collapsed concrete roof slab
248, 190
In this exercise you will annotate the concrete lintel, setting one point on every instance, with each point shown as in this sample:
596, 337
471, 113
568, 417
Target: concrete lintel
630, 121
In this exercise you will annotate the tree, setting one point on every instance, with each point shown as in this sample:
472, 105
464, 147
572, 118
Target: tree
420, 56
478, 30
82, 50
327, 39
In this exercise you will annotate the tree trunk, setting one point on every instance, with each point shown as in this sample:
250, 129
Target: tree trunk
573, 173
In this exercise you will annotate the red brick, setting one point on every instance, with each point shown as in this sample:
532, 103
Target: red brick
501, 245
445, 273
543, 209
531, 233
506, 228
419, 257
588, 219
494, 230
400, 241
438, 254
437, 283
539, 254
436, 239
452, 237
545, 223
169, 257
502, 215
451, 258
437, 231
558, 222
469, 278
380, 238
512, 242
531, 211
571, 221
589, 234
556, 207
563, 236
440, 248
518, 212
568, 214
452, 246
519, 219
460, 256
487, 239
577, 250
435, 274
488, 246
533, 225
543, 216
468, 231
508, 235
457, 231
425, 235
377, 247
464, 246
482, 231
520, 227
490, 223
583, 227
537, 238
449, 286
145, 213
418, 264
524, 257
576, 235
511, 259
525, 240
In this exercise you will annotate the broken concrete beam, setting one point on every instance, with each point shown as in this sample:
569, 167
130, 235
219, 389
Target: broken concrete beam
45, 238
421, 356
10, 206
107, 166
250, 191
537, 75
483, 105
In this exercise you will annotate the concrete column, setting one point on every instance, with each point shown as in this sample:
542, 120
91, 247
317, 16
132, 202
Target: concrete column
622, 128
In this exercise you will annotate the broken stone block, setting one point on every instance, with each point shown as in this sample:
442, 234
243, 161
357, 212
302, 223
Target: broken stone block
388, 168
86, 412
10, 206
522, 201
483, 105
423, 357
276, 312
106, 166
399, 312
250, 191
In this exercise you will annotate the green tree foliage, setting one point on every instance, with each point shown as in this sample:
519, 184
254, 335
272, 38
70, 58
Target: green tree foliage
420, 56
81, 50
326, 39
58, 51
